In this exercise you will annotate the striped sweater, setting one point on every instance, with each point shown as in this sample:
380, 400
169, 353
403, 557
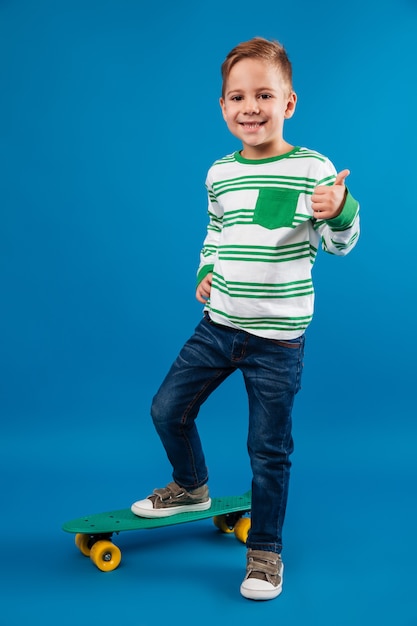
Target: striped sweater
262, 240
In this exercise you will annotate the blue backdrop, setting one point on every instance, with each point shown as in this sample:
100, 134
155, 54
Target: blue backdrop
103, 105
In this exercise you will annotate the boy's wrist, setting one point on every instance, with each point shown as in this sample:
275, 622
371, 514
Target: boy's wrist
202, 273
347, 214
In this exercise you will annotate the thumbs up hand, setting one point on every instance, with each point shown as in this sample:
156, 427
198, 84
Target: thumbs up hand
327, 202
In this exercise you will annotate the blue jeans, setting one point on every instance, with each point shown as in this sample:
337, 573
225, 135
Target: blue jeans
272, 373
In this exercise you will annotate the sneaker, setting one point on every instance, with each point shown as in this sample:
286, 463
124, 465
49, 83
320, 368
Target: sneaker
263, 580
171, 500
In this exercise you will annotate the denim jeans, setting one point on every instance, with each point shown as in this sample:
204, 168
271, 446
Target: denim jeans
272, 373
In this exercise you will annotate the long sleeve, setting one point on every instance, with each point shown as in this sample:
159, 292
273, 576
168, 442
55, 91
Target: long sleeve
210, 246
340, 234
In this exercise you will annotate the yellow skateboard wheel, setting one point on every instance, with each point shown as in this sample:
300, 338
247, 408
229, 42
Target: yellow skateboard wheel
105, 555
242, 529
220, 521
82, 541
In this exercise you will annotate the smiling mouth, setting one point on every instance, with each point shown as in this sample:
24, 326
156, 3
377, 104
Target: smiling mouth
252, 125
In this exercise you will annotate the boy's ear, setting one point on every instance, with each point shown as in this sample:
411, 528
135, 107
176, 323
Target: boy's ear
221, 102
291, 104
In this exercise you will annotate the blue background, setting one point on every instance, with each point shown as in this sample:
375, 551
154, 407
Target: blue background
109, 120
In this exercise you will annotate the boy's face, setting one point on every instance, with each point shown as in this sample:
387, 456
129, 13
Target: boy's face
256, 102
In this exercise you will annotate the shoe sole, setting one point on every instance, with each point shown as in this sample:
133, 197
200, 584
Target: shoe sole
251, 588
260, 594
174, 510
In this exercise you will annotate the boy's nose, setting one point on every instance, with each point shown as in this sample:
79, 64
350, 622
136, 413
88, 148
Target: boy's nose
251, 106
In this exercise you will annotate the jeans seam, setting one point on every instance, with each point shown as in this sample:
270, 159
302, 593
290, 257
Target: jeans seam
199, 395
184, 422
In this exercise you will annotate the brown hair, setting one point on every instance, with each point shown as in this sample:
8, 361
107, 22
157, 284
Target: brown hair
259, 48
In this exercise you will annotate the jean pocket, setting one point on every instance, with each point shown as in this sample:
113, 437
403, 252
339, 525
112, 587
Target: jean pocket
275, 208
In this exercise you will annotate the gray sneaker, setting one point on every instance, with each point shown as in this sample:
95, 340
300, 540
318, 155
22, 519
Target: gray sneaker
171, 500
263, 580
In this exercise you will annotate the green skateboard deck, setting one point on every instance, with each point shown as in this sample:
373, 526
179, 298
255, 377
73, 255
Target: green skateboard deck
93, 532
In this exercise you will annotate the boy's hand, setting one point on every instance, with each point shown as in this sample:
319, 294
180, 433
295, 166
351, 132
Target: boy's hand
204, 289
327, 202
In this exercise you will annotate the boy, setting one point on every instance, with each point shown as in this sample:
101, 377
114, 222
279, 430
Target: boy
269, 206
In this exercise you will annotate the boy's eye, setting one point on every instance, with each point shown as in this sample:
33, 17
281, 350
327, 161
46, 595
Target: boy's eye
262, 96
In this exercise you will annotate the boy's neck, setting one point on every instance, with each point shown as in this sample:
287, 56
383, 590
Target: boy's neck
254, 153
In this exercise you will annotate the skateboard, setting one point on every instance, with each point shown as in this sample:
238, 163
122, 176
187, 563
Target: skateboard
93, 533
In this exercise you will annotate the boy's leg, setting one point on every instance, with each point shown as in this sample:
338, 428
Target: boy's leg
198, 370
272, 373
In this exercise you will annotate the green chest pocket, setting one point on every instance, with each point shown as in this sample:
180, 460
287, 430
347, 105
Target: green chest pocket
275, 208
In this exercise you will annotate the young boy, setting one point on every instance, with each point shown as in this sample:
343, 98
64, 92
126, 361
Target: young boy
270, 206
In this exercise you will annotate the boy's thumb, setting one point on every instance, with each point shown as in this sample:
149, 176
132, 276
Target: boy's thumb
340, 178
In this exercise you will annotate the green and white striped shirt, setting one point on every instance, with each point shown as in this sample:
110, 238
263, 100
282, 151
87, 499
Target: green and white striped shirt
262, 240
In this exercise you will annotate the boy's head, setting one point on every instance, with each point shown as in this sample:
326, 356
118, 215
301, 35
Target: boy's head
263, 50
257, 97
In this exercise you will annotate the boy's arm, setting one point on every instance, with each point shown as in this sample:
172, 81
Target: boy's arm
336, 216
210, 246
